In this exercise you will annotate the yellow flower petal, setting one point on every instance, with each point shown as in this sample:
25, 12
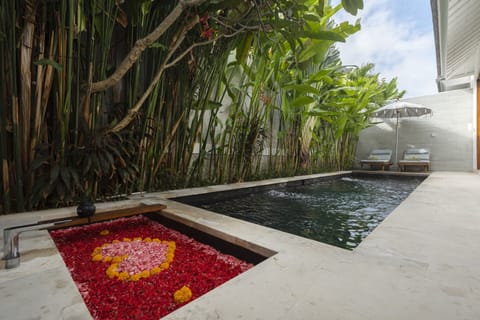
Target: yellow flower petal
182, 295
135, 277
155, 270
164, 266
123, 276
97, 257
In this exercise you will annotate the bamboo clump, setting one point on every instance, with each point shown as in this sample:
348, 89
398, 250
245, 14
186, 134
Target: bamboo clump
101, 98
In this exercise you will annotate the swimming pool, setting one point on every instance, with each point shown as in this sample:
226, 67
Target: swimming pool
340, 212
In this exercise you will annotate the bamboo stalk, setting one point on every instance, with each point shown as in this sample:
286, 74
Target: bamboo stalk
27, 44
40, 87
47, 88
67, 107
3, 118
20, 200
5, 186
13, 97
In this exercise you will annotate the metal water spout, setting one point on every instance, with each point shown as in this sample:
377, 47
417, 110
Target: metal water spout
11, 252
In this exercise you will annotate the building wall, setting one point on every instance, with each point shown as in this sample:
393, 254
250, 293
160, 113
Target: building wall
448, 133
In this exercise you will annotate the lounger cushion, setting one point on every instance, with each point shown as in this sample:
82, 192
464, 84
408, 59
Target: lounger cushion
416, 155
380, 155
380, 158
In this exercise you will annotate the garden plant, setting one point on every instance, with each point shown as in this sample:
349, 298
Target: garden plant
102, 98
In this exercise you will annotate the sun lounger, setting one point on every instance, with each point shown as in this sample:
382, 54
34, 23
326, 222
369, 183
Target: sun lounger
380, 158
418, 157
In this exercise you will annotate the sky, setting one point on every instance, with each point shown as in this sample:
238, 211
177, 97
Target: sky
397, 36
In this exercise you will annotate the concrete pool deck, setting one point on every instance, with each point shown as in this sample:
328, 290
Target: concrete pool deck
422, 262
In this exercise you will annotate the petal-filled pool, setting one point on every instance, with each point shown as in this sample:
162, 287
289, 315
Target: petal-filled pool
136, 268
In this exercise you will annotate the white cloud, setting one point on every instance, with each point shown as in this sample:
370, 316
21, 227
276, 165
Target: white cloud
395, 44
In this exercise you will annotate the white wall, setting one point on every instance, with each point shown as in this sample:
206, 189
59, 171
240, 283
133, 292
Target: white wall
448, 133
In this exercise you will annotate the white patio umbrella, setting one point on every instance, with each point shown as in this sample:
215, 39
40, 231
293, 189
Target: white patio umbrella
401, 109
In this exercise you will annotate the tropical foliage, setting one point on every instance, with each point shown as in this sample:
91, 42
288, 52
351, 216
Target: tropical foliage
105, 97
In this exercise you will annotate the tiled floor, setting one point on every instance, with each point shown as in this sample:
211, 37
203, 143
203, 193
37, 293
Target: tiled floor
422, 262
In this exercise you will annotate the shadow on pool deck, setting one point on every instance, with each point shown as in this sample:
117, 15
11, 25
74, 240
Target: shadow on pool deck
422, 262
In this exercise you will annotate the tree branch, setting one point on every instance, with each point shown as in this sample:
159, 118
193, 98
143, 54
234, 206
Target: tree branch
141, 45
178, 39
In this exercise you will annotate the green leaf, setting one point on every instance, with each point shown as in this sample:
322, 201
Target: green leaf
87, 166
37, 163
212, 105
341, 123
145, 7
321, 7
54, 172
352, 6
222, 5
302, 101
359, 4
96, 164
315, 48
75, 177
158, 45
350, 101
81, 18
110, 159
52, 63
323, 35
302, 88
346, 29
321, 114
103, 162
320, 75
243, 48
310, 17
65, 175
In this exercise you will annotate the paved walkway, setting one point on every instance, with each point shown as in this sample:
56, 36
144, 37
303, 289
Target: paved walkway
422, 262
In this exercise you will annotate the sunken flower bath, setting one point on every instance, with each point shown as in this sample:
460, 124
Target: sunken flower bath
136, 268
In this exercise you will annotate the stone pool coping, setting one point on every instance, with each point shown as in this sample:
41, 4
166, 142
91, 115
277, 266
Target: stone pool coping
422, 262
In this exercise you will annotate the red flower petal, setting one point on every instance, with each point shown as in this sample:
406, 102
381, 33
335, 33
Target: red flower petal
196, 265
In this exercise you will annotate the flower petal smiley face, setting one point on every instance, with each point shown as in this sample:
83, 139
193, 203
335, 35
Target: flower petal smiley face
135, 259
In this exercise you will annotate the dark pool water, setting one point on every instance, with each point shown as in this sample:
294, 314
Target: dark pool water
340, 212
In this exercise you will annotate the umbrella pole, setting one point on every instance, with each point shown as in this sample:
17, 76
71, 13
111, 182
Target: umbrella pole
396, 141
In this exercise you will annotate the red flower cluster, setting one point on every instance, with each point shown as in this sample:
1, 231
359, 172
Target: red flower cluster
197, 266
207, 31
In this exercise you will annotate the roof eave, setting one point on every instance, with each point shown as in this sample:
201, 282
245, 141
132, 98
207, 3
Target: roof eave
440, 27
